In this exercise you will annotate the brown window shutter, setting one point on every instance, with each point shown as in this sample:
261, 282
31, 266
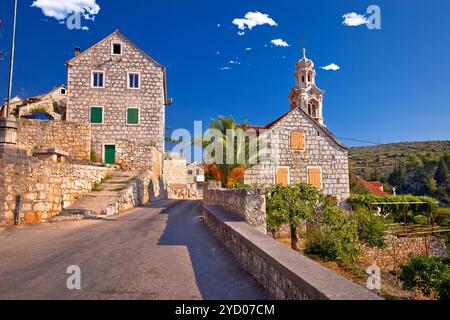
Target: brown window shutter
298, 140
282, 176
314, 177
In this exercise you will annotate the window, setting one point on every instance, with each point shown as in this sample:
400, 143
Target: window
116, 48
198, 172
133, 116
190, 172
62, 91
303, 78
96, 115
315, 177
298, 140
282, 176
133, 81
313, 108
98, 79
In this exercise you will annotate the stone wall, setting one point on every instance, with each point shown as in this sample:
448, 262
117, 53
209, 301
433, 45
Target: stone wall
248, 204
44, 187
74, 138
320, 151
284, 273
133, 143
399, 250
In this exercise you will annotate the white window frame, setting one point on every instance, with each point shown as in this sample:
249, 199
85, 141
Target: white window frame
282, 167
92, 78
139, 116
128, 80
321, 176
112, 48
65, 91
103, 150
103, 116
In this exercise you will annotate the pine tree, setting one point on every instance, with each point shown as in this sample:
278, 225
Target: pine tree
441, 174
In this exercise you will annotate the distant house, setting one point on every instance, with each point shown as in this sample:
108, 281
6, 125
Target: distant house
375, 188
195, 177
53, 102
301, 148
121, 91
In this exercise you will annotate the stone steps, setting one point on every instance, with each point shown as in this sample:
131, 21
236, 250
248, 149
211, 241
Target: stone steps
109, 198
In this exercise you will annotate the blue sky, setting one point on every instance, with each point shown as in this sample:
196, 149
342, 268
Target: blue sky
393, 84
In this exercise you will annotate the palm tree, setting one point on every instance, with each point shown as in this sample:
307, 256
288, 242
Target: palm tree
228, 173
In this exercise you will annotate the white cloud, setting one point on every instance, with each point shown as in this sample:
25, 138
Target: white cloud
253, 19
353, 19
224, 68
241, 33
218, 52
61, 9
248, 49
279, 43
85, 28
331, 66
234, 62
218, 25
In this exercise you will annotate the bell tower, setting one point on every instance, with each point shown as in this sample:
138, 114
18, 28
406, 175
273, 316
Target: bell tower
306, 94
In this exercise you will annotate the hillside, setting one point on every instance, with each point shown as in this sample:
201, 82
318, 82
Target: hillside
382, 158
412, 167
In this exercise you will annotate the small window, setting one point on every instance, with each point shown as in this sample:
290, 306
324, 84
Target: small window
190, 172
98, 79
132, 116
303, 78
96, 116
63, 91
298, 140
117, 48
198, 172
133, 81
315, 177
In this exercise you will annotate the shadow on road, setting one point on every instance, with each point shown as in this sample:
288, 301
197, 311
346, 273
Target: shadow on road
217, 273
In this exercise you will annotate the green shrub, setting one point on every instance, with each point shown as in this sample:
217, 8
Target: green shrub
56, 107
429, 275
442, 217
420, 219
93, 156
38, 110
371, 228
333, 236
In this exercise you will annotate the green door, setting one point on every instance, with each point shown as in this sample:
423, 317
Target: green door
110, 154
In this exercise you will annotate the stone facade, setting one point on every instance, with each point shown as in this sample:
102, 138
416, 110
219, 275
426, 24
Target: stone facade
46, 101
45, 187
320, 150
132, 143
284, 273
74, 138
400, 250
248, 204
174, 173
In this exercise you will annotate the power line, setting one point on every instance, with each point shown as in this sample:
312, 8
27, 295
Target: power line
356, 140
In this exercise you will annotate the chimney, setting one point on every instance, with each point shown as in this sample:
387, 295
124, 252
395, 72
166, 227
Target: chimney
77, 51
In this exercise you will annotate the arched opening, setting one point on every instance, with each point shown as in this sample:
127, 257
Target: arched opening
313, 108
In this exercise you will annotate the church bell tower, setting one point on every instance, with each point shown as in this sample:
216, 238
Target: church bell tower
306, 94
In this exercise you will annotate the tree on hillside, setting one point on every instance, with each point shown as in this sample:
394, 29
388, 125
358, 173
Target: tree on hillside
441, 174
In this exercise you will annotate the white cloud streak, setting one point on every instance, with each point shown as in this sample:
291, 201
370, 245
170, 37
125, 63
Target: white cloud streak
353, 19
332, 66
253, 19
61, 9
279, 43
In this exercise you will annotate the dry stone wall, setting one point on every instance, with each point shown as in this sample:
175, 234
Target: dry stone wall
248, 204
399, 251
74, 138
45, 187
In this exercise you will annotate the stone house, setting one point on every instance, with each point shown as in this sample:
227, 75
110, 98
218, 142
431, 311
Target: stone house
299, 145
54, 102
195, 178
121, 91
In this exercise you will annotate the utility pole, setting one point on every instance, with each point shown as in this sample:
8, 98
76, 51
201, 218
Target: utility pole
11, 63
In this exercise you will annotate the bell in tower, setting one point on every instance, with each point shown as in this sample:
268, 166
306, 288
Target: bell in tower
306, 94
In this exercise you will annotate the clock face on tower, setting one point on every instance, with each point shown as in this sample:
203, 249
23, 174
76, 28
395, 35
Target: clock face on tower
310, 93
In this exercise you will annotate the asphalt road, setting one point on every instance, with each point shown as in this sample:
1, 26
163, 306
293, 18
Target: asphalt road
163, 251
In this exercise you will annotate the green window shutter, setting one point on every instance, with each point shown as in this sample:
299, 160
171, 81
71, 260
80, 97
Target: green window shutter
96, 115
132, 116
